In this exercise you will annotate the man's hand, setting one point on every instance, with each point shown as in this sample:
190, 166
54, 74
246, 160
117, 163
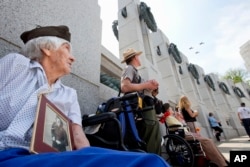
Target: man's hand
152, 84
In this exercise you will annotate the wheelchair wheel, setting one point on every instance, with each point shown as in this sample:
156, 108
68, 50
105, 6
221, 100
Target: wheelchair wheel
179, 151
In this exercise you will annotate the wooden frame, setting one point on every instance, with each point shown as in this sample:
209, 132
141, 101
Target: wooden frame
42, 140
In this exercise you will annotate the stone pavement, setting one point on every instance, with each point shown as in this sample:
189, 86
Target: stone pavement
238, 143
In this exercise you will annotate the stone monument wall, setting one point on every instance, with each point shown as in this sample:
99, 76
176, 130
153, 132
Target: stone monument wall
83, 19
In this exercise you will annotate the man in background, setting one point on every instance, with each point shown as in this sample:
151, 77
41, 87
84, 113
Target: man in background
244, 117
215, 125
131, 81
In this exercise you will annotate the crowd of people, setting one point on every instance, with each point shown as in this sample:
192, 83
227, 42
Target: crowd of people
44, 59
131, 81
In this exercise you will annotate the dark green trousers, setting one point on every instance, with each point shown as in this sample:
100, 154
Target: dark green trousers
149, 131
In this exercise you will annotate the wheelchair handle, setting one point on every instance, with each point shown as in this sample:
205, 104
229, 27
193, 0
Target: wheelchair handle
97, 119
128, 96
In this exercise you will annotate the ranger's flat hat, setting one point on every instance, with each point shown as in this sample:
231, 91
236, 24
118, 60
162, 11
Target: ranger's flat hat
57, 31
130, 53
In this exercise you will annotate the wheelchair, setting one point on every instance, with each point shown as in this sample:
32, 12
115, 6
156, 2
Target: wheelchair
117, 128
116, 120
182, 152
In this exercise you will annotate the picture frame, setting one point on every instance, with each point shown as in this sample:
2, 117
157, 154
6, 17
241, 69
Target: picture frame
52, 131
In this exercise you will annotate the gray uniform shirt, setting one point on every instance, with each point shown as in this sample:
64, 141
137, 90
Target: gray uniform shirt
131, 73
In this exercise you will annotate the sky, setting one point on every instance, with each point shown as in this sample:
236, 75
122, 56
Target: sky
222, 25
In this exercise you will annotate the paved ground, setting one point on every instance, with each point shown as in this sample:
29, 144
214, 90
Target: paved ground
239, 143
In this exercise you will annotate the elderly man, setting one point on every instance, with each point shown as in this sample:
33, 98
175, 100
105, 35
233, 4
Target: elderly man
131, 81
45, 58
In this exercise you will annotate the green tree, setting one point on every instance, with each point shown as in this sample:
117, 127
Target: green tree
237, 75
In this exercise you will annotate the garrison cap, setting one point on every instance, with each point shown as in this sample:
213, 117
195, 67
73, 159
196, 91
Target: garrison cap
57, 31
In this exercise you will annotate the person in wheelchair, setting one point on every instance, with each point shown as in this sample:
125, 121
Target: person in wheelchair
45, 58
131, 81
211, 151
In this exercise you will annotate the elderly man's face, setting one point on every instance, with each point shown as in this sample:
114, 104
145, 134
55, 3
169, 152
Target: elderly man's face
62, 59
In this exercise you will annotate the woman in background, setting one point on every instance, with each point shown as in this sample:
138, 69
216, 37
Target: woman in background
189, 115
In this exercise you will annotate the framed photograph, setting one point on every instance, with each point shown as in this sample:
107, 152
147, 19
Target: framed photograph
52, 129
